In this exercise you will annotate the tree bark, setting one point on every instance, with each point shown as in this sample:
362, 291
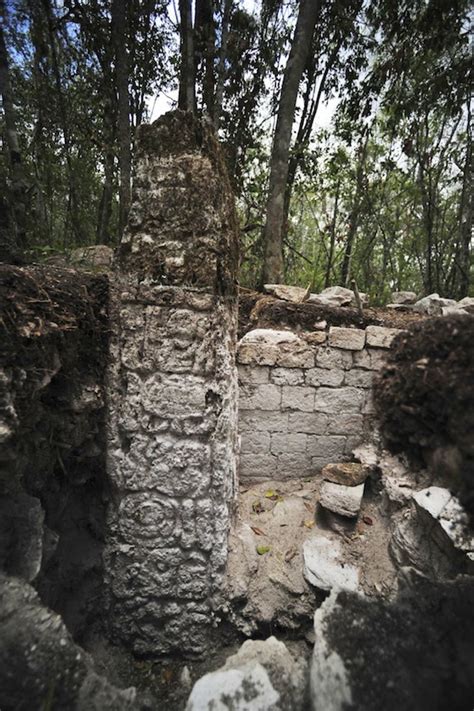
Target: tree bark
332, 243
221, 66
187, 94
354, 214
13, 232
272, 233
119, 39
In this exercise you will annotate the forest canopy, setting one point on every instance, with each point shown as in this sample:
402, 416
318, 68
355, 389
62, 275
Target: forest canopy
346, 127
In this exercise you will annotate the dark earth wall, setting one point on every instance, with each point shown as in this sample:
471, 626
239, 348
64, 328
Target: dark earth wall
53, 342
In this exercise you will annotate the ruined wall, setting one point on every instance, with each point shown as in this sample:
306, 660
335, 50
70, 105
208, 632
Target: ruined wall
305, 400
172, 393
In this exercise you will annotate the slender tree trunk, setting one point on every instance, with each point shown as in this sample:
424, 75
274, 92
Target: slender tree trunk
13, 221
205, 50
463, 256
332, 243
272, 233
119, 38
355, 214
221, 66
187, 96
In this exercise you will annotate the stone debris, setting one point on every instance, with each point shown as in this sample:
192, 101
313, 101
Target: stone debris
346, 473
261, 676
337, 296
465, 306
295, 294
432, 305
343, 500
445, 508
329, 678
396, 480
324, 564
366, 454
433, 535
245, 689
403, 297
96, 257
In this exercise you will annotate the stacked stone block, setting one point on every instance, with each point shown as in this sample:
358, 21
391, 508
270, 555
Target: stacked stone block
172, 419
305, 400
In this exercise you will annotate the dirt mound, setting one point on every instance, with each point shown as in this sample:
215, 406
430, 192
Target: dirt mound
425, 398
263, 311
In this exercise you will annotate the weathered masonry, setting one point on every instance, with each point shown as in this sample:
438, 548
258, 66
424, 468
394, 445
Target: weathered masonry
305, 400
172, 420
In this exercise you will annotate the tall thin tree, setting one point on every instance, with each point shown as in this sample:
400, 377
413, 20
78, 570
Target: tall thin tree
300, 48
119, 39
13, 237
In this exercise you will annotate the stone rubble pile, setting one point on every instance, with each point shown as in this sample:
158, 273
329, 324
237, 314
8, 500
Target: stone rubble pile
337, 296
261, 675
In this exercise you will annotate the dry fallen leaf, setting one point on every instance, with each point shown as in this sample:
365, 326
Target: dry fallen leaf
258, 531
309, 523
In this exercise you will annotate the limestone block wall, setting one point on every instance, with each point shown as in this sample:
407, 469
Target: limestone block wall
173, 394
305, 400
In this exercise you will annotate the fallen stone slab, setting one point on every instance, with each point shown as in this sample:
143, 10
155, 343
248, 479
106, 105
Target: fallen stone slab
324, 565
434, 536
432, 305
403, 297
415, 654
346, 473
295, 294
261, 676
446, 509
344, 500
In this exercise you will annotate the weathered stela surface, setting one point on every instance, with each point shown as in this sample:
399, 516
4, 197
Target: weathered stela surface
172, 393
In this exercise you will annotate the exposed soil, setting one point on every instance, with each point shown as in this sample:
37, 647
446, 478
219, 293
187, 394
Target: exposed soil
53, 349
425, 399
258, 310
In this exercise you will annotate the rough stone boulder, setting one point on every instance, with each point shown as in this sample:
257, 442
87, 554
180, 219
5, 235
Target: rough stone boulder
295, 294
403, 297
325, 567
432, 305
346, 473
415, 654
261, 676
337, 296
41, 666
433, 536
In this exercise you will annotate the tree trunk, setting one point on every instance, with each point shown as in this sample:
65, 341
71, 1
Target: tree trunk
221, 66
332, 243
463, 256
272, 233
187, 97
13, 221
119, 38
354, 215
